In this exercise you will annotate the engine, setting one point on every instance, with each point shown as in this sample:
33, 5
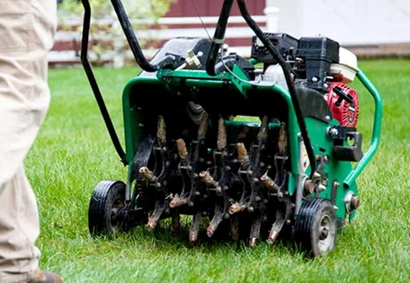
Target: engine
317, 63
343, 103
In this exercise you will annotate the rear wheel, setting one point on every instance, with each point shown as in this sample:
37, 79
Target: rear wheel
316, 227
106, 205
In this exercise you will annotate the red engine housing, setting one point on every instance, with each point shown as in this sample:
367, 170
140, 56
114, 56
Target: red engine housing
347, 113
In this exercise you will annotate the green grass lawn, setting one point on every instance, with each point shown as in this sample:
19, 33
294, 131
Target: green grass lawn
73, 153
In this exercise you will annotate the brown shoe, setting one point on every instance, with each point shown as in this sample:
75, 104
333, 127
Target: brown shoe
45, 277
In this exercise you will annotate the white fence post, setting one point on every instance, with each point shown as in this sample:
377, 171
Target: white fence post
272, 19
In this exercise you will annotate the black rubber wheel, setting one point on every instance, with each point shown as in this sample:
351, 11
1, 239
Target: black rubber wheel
316, 226
106, 201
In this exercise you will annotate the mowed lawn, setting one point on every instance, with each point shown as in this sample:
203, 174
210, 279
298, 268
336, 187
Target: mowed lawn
73, 153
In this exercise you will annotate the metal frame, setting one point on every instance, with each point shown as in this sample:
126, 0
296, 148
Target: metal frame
377, 125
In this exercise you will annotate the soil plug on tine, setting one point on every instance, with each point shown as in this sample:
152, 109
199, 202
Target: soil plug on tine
283, 139
221, 142
263, 131
203, 127
268, 183
161, 131
182, 150
156, 214
243, 156
207, 179
147, 174
236, 207
177, 201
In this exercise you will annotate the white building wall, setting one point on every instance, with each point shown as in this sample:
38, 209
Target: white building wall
351, 22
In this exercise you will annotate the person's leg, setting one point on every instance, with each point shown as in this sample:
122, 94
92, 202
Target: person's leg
27, 30
19, 229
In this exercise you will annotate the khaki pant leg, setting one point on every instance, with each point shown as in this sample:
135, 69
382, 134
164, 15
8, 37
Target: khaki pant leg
27, 30
19, 229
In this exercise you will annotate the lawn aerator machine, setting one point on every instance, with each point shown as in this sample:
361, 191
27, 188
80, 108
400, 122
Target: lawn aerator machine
258, 149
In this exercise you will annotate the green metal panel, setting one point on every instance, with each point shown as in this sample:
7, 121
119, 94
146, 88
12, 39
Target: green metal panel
132, 119
334, 169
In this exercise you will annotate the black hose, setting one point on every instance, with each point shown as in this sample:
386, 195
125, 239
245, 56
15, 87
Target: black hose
286, 70
131, 38
219, 37
94, 85
168, 61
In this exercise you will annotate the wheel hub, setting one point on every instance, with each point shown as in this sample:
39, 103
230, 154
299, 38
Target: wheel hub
325, 234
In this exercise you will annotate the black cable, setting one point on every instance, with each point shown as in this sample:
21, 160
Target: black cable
94, 85
219, 37
286, 70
